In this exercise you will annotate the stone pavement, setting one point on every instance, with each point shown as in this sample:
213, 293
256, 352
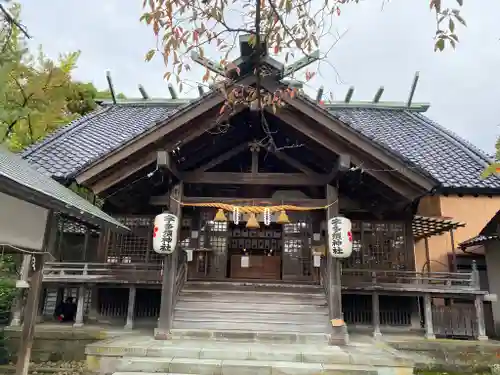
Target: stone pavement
141, 354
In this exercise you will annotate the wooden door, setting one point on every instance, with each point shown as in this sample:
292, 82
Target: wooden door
297, 262
210, 256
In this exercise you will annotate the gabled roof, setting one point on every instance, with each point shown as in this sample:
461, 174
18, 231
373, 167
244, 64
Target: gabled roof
452, 161
20, 180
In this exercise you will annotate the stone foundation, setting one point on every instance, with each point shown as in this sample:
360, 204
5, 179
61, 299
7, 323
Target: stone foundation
57, 342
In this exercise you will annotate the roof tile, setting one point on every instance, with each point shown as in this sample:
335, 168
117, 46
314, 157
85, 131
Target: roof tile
452, 161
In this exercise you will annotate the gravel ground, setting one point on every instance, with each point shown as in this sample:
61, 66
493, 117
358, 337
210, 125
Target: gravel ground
52, 368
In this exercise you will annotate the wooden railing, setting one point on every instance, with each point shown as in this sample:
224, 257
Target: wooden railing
409, 280
352, 279
181, 277
102, 272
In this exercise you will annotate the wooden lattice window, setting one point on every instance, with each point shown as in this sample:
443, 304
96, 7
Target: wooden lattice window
379, 245
135, 246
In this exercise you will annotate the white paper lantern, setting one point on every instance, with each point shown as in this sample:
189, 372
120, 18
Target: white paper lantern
165, 233
339, 237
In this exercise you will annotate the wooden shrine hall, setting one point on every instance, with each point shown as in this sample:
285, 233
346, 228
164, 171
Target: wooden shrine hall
220, 176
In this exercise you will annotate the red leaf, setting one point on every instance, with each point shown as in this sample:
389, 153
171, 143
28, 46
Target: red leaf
276, 50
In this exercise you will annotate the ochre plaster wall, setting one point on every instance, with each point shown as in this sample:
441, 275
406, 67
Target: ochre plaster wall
475, 212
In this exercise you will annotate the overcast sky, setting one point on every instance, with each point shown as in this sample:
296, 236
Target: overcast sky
380, 48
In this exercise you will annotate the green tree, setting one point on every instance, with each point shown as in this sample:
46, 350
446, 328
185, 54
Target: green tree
37, 94
294, 28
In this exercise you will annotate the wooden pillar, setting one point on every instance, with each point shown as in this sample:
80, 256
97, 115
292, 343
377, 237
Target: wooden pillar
376, 315
80, 306
481, 327
427, 255
169, 273
339, 334
131, 307
429, 326
31, 310
94, 304
86, 244
17, 309
17, 306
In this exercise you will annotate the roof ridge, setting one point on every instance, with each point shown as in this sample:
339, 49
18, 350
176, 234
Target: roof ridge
474, 151
72, 125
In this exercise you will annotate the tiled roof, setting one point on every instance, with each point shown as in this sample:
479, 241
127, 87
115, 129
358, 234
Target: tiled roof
478, 240
85, 140
18, 178
454, 162
449, 159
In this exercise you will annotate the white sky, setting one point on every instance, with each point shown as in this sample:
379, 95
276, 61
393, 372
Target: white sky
381, 48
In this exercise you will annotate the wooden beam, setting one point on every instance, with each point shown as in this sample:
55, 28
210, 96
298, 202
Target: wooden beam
125, 170
255, 149
378, 95
294, 163
163, 200
413, 88
143, 92
222, 158
166, 127
169, 274
338, 334
34, 291
164, 161
327, 141
347, 134
173, 94
282, 179
111, 86
319, 94
349, 94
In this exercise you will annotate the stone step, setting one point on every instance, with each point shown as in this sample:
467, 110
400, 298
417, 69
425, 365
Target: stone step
179, 365
269, 307
320, 316
204, 349
275, 326
284, 335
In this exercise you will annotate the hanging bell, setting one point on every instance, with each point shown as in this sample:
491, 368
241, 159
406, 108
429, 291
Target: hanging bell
220, 216
252, 222
283, 218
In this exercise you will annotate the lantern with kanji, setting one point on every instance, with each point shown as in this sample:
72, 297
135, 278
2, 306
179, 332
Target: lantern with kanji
165, 233
340, 237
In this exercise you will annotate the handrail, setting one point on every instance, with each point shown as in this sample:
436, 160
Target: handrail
436, 279
152, 272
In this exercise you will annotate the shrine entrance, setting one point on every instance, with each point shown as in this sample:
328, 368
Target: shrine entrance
275, 252
255, 253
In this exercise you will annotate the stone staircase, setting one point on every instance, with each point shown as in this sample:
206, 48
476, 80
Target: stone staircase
243, 329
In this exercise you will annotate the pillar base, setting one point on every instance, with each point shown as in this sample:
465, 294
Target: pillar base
339, 336
377, 335
129, 326
77, 325
430, 336
162, 334
482, 338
